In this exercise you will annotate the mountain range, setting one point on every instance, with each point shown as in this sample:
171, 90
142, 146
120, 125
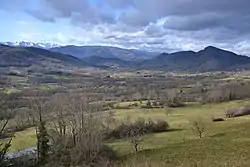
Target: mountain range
31, 44
105, 52
208, 59
89, 51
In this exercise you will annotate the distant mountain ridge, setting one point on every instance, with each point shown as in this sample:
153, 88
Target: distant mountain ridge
31, 44
208, 59
88, 51
83, 52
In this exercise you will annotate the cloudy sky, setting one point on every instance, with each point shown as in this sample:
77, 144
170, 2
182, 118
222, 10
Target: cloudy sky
161, 25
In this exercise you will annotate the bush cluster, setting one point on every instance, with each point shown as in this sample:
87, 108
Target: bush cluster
174, 103
141, 126
238, 112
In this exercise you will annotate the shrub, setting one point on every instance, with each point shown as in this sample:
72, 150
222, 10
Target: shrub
148, 103
198, 126
218, 119
161, 103
111, 105
155, 103
122, 107
160, 126
174, 103
238, 112
135, 104
147, 107
20, 127
145, 127
230, 113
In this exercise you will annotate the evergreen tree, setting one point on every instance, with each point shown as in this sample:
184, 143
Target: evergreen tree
42, 143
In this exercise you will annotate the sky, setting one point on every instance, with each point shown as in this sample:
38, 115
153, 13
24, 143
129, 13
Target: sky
156, 25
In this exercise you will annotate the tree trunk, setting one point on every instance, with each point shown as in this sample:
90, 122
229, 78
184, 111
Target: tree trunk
136, 147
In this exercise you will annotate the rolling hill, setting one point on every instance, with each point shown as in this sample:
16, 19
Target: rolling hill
30, 56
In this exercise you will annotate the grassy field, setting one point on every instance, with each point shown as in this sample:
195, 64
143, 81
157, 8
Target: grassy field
224, 144
23, 140
47, 87
11, 90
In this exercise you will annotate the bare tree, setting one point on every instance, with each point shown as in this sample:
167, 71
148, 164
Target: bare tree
174, 98
110, 121
4, 146
78, 137
135, 138
139, 96
198, 126
135, 131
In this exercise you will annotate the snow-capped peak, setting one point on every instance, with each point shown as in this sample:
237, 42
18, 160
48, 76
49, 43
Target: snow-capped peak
31, 44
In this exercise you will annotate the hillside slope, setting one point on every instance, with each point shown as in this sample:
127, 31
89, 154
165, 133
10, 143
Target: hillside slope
27, 56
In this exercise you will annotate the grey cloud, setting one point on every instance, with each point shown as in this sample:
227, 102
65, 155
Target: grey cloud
80, 11
136, 18
92, 17
155, 31
212, 21
136, 41
188, 13
163, 8
155, 42
41, 16
68, 7
111, 37
193, 23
